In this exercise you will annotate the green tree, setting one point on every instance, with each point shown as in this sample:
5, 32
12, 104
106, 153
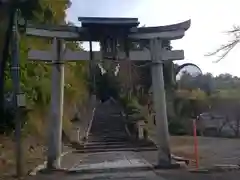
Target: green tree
7, 9
36, 76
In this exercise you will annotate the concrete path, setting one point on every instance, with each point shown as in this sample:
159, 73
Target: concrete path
108, 161
141, 175
124, 165
113, 165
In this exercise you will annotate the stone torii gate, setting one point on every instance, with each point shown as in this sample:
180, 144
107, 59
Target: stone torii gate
111, 33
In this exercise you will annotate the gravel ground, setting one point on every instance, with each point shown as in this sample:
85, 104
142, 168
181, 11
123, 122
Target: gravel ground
34, 152
185, 175
34, 155
211, 150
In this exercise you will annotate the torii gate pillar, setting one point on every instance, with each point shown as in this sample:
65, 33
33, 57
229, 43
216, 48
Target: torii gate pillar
159, 99
57, 101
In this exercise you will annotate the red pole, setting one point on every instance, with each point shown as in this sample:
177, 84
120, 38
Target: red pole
195, 143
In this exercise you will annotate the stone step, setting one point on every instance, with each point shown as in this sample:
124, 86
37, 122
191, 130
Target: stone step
117, 146
136, 149
105, 143
108, 146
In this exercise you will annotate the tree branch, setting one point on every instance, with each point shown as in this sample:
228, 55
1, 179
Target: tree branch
226, 48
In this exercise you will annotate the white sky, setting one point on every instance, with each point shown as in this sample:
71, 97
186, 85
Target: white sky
210, 19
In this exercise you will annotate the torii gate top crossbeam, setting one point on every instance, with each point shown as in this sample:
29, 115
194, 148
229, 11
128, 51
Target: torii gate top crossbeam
169, 32
173, 27
73, 33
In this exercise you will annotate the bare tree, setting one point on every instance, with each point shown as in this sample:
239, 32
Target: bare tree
224, 49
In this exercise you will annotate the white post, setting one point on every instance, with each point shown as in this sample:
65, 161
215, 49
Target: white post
164, 155
55, 121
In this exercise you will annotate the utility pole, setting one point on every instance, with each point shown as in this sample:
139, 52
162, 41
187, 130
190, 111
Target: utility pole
57, 99
18, 96
159, 98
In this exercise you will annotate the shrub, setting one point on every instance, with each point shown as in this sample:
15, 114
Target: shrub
177, 127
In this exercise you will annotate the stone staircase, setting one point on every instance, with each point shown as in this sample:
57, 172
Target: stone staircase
108, 132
